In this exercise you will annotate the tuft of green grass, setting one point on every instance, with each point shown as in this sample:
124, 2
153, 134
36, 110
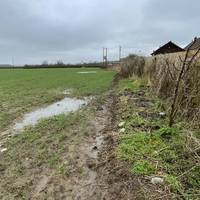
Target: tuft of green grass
163, 146
53, 159
136, 120
64, 170
173, 182
143, 167
132, 84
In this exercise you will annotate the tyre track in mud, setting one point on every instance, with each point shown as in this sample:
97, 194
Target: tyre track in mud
92, 157
107, 177
87, 188
87, 184
102, 176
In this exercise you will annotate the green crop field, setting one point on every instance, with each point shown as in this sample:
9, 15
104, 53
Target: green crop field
22, 90
54, 144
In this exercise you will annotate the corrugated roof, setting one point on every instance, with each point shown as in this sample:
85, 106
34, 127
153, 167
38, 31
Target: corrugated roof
195, 44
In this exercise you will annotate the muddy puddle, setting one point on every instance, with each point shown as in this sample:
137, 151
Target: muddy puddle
64, 106
89, 72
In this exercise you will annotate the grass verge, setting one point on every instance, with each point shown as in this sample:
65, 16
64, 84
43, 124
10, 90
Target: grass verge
152, 148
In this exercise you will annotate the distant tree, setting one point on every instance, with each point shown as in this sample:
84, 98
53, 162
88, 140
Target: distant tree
60, 63
45, 63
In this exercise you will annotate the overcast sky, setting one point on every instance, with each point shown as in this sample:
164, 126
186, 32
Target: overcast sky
32, 31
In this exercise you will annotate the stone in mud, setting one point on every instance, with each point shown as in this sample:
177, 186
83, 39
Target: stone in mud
122, 130
121, 124
3, 150
157, 180
67, 92
162, 114
95, 148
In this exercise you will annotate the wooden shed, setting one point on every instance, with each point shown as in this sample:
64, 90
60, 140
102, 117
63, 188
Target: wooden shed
170, 47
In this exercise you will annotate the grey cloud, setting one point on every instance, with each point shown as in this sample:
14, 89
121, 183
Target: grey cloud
37, 30
171, 20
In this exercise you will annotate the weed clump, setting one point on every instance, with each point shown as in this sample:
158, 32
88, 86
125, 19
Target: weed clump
160, 152
133, 65
133, 85
162, 73
143, 167
154, 149
159, 145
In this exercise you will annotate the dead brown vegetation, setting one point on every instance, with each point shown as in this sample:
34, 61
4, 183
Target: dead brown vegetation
132, 65
174, 78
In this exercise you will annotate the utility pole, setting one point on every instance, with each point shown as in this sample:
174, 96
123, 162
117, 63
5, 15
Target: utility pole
12, 61
105, 56
120, 53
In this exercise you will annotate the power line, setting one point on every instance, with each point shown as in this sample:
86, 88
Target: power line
118, 52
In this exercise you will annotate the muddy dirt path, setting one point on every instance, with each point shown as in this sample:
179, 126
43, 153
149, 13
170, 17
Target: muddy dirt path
82, 157
87, 186
105, 177
92, 170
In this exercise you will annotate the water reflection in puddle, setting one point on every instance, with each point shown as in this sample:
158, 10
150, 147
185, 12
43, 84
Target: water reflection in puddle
64, 106
89, 72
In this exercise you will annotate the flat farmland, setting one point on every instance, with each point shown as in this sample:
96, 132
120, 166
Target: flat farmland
23, 90
40, 161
